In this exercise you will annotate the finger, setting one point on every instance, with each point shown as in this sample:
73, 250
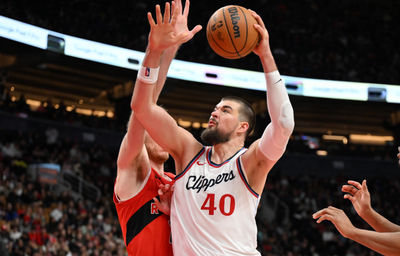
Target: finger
173, 6
355, 184
258, 19
167, 12
179, 5
350, 197
316, 215
349, 189
324, 217
260, 30
319, 213
331, 209
364, 185
158, 14
156, 200
160, 192
186, 10
195, 30
165, 188
151, 20
175, 15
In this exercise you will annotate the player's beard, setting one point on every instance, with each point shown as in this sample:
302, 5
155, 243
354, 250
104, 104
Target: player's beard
214, 136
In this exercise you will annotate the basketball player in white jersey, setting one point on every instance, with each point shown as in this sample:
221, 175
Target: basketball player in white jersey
217, 188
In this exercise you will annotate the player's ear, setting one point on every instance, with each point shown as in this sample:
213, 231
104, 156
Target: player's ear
243, 127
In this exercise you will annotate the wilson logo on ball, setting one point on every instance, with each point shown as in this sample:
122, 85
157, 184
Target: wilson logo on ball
233, 11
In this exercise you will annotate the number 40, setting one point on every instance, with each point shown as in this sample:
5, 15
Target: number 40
209, 204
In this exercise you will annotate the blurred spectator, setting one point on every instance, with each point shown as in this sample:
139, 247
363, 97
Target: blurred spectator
22, 106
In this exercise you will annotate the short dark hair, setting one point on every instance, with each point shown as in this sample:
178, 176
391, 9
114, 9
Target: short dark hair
246, 112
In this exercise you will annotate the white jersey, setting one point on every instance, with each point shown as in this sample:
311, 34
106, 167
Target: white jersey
213, 208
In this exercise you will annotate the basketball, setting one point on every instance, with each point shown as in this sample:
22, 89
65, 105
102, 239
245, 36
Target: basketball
230, 32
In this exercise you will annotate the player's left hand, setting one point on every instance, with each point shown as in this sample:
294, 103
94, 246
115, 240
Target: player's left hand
338, 218
165, 194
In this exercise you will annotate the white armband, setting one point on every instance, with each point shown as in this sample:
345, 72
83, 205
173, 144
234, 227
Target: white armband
148, 75
276, 136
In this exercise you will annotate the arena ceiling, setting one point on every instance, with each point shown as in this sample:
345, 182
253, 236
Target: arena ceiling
43, 75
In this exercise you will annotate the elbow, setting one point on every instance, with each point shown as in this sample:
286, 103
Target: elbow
135, 105
286, 120
138, 107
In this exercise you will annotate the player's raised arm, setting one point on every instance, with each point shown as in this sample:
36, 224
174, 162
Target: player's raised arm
133, 164
160, 125
264, 153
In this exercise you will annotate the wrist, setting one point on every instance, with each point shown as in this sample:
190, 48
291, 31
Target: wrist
151, 50
352, 231
152, 58
148, 75
268, 62
367, 212
173, 48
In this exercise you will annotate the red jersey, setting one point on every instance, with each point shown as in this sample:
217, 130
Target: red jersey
146, 230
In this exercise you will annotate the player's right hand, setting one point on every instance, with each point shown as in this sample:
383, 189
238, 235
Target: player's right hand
359, 196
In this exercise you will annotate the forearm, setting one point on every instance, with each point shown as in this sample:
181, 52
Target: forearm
268, 62
146, 96
378, 222
135, 131
166, 59
132, 143
277, 96
152, 117
384, 243
152, 58
274, 140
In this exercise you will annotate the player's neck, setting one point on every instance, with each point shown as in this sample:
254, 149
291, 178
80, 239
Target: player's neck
224, 151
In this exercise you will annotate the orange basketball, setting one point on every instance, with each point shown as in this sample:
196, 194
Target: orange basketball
230, 32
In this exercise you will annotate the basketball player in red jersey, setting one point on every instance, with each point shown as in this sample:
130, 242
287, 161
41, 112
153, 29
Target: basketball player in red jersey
140, 170
217, 188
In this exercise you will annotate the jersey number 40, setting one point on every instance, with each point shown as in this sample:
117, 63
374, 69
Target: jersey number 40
209, 204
